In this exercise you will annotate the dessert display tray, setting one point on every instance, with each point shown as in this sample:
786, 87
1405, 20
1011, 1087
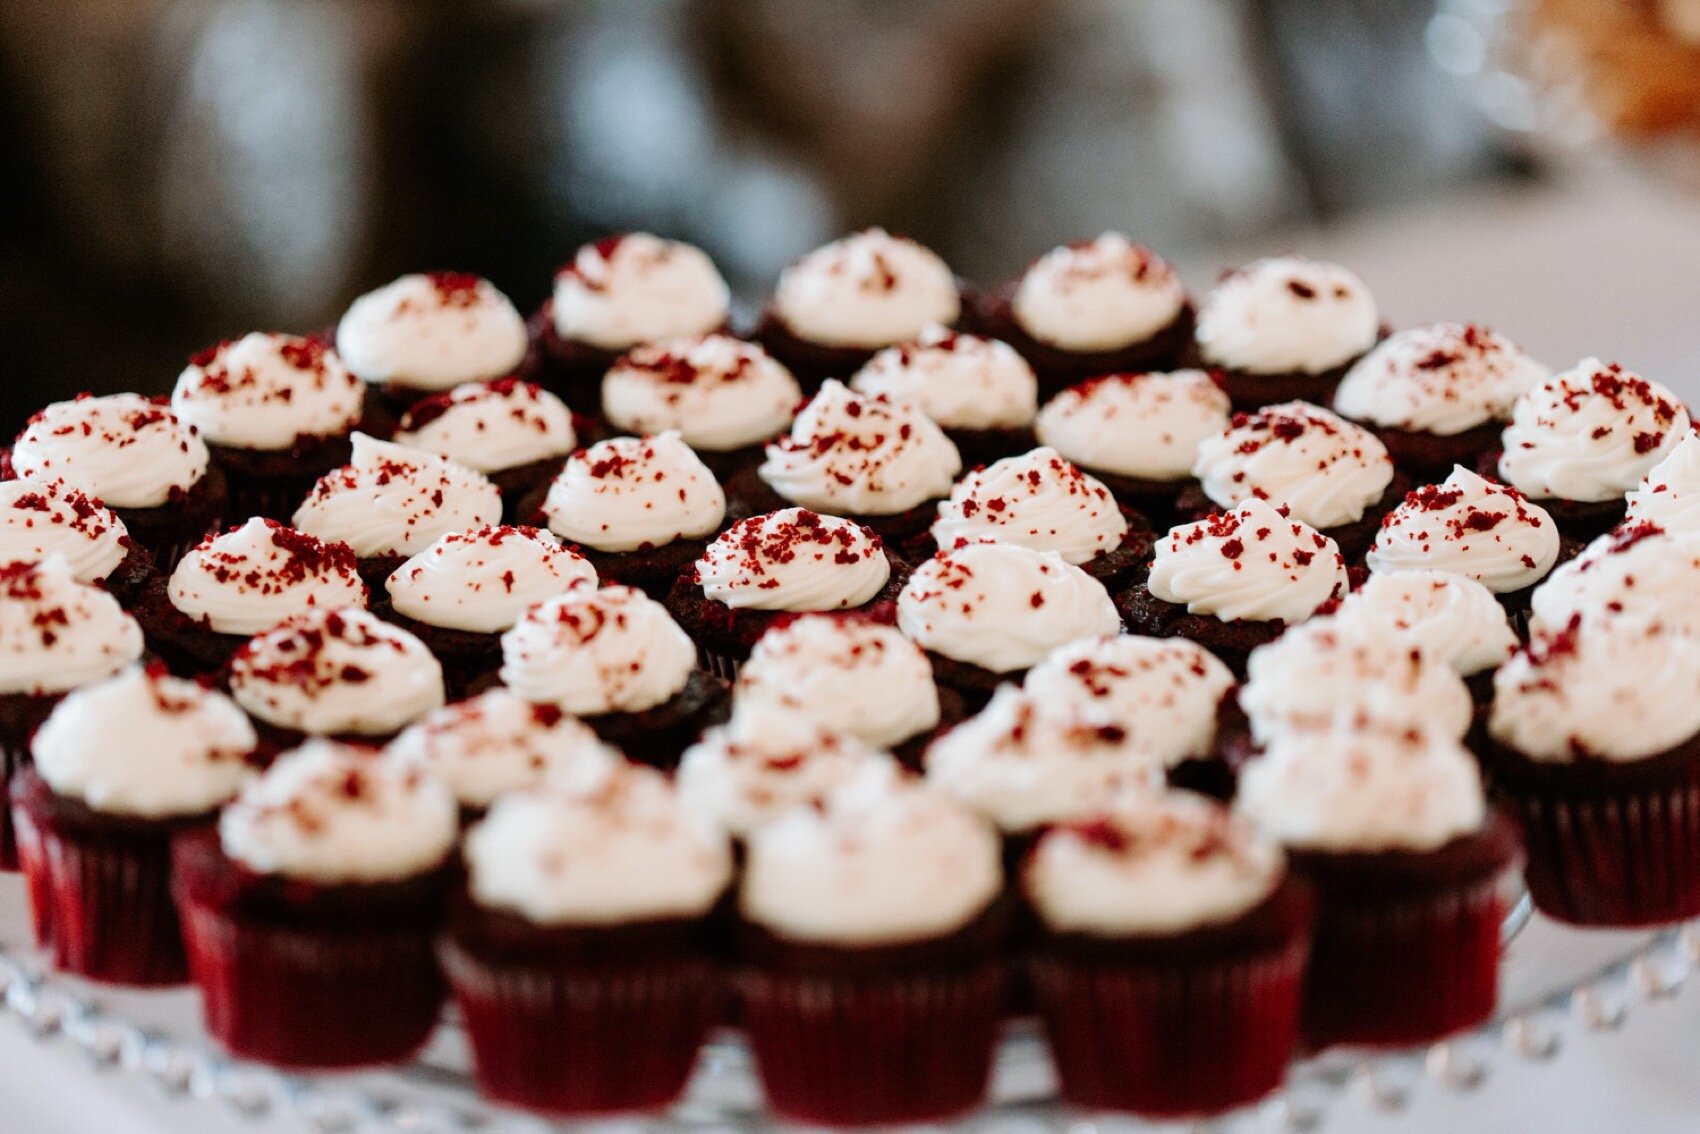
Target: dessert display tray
1555, 981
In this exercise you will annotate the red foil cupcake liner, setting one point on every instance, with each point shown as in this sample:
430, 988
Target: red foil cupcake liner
37, 886
13, 757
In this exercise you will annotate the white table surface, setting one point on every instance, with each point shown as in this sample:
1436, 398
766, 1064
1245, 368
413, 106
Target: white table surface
1602, 266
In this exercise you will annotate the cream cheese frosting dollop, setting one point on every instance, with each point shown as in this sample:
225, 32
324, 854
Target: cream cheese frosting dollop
57, 633
490, 426
1324, 469
1634, 571
718, 392
960, 381
628, 493
481, 580
1037, 500
1287, 314
793, 559
636, 288
39, 518
1440, 378
430, 331
1450, 617
125, 450
1140, 425
1669, 495
594, 650
869, 289
1250, 563
254, 576
1471, 526
1097, 295
267, 391
392, 500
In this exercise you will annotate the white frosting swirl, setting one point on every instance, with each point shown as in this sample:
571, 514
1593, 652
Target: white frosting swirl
145, 744
718, 392
1097, 295
628, 493
432, 331
1450, 617
1037, 500
1249, 564
851, 454
1441, 378
960, 381
1326, 470
1470, 526
39, 518
1590, 433
1669, 495
597, 650
125, 450
793, 559
1287, 314
869, 289
483, 579
252, 577
335, 673
392, 500
490, 426
267, 391
637, 288
58, 634
1001, 606
1140, 425
1636, 571
334, 814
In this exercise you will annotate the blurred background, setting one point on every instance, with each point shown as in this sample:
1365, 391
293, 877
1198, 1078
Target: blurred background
180, 171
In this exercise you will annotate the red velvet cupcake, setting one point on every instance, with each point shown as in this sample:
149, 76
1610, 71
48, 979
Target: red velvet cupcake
515, 433
39, 519
1451, 618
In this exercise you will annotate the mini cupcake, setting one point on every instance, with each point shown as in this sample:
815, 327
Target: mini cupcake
1235, 581
427, 332
516, 433
120, 768
1581, 440
39, 519
579, 953
837, 306
391, 502
1170, 968
883, 464
308, 913
1039, 500
1285, 328
726, 398
232, 586
336, 673
1137, 433
1410, 870
1450, 617
1327, 472
459, 595
979, 391
618, 293
639, 509
873, 974
1633, 571
1091, 307
133, 455
1669, 495
987, 612
1596, 748
275, 411
792, 561
1437, 395
614, 658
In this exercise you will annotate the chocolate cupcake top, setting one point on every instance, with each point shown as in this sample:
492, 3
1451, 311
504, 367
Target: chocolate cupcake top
634, 493
1097, 295
1622, 689
608, 849
750, 772
1590, 433
1324, 469
432, 331
145, 744
1164, 691
57, 633
125, 450
1024, 762
960, 381
1637, 570
498, 742
1140, 425
254, 576
597, 650
40, 518
334, 814
1669, 495
1037, 500
718, 392
392, 500
635, 288
883, 860
1002, 606
860, 455
490, 426
336, 672
1442, 378
869, 289
1252, 563
267, 391
483, 579
793, 559
849, 674
1471, 526
1285, 315
1357, 789
1149, 864
1450, 617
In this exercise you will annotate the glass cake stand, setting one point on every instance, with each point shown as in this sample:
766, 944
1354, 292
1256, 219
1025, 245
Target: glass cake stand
1555, 982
